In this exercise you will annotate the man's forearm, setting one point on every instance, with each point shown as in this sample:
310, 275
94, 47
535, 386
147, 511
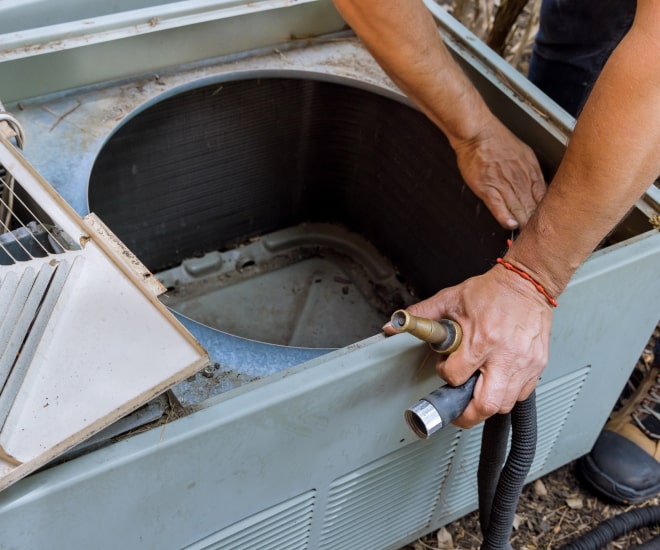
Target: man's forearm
612, 157
403, 38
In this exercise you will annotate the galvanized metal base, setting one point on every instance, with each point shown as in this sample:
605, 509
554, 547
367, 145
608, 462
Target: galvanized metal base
310, 286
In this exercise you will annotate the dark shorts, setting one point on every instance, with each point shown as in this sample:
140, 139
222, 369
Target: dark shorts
574, 41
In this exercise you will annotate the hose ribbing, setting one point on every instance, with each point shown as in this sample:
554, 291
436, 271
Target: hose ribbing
494, 439
513, 475
612, 528
499, 492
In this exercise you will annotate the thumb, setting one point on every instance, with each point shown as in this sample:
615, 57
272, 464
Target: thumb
435, 307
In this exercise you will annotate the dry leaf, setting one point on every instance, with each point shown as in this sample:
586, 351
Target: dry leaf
574, 503
540, 489
445, 540
518, 520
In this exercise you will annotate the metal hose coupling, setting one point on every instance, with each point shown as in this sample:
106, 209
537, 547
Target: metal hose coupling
442, 406
443, 336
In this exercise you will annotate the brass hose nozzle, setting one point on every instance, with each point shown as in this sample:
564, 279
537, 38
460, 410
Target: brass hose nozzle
444, 405
443, 336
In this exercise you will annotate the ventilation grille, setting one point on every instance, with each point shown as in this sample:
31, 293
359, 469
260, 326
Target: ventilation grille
282, 527
83, 338
394, 496
554, 404
463, 484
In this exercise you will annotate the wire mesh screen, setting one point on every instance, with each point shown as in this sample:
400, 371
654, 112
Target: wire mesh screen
24, 233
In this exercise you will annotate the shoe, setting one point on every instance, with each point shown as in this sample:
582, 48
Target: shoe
624, 464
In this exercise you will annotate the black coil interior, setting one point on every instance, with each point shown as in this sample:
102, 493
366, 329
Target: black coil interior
213, 166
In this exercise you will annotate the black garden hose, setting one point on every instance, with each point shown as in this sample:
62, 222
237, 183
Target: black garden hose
612, 528
652, 544
499, 512
494, 438
499, 492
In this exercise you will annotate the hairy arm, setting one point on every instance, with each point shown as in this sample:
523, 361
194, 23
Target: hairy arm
612, 158
403, 38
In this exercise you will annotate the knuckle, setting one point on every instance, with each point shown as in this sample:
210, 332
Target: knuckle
489, 408
466, 424
452, 378
505, 408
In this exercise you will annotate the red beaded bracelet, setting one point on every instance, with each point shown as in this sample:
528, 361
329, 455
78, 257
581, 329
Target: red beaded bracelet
529, 278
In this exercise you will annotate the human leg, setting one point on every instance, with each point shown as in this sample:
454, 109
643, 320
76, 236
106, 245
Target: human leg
574, 41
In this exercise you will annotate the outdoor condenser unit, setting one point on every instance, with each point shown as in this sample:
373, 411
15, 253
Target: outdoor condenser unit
257, 162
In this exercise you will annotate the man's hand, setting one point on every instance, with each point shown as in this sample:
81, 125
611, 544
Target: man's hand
404, 39
503, 172
506, 330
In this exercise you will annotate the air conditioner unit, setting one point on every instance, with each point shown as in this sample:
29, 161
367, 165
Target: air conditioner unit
258, 162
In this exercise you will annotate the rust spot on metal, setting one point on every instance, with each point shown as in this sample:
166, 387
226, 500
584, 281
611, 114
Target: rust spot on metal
61, 117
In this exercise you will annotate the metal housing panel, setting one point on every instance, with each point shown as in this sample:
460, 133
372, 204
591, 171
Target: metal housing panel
135, 42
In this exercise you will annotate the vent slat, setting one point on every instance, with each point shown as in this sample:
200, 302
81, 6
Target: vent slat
370, 484
30, 328
11, 315
284, 526
8, 288
398, 492
285, 534
17, 338
377, 533
15, 305
376, 510
385, 486
30, 306
382, 497
272, 526
411, 455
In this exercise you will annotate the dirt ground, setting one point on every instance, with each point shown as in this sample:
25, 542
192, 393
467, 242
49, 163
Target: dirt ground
557, 508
